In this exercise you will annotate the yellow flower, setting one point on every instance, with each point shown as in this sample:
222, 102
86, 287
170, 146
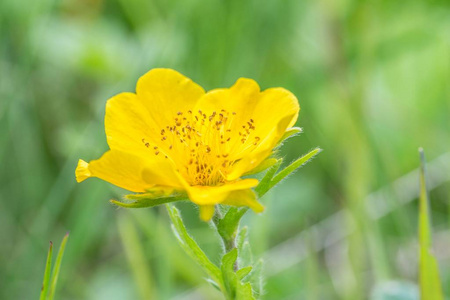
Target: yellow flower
172, 136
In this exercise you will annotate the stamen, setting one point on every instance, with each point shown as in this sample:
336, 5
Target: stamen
205, 145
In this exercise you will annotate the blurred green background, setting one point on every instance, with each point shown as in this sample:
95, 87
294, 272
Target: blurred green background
373, 81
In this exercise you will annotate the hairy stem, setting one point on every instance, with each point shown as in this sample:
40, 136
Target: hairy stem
229, 243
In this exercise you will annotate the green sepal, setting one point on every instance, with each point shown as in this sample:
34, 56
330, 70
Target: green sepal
191, 247
228, 225
291, 132
267, 163
264, 184
147, 200
270, 180
429, 282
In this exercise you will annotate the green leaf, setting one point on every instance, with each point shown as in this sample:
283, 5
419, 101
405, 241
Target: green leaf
245, 254
213, 284
242, 273
429, 282
293, 167
233, 285
147, 200
229, 276
48, 267
190, 246
245, 292
264, 184
55, 273
256, 278
241, 238
135, 254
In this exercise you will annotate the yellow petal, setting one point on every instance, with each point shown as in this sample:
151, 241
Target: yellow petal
126, 171
165, 92
275, 104
271, 112
82, 172
210, 195
206, 212
244, 198
128, 125
253, 159
241, 98
276, 110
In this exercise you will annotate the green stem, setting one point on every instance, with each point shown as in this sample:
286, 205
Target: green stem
229, 243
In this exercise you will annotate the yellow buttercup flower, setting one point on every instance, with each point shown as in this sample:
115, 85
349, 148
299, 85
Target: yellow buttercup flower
172, 136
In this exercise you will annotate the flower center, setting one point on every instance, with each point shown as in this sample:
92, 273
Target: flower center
205, 146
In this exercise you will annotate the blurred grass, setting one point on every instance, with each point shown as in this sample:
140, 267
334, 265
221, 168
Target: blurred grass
372, 81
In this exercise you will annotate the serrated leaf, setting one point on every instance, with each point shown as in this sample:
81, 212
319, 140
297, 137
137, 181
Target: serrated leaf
429, 282
47, 272
245, 254
228, 274
234, 287
245, 292
146, 200
256, 278
190, 246
241, 237
293, 167
57, 267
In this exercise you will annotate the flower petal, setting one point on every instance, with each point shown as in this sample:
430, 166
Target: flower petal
241, 98
165, 92
273, 105
128, 125
206, 212
244, 198
271, 112
118, 168
210, 195
82, 171
129, 171
254, 158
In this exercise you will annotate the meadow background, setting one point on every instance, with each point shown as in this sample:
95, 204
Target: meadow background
373, 82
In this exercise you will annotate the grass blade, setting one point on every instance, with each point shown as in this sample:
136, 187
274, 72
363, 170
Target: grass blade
48, 267
57, 267
430, 284
135, 254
